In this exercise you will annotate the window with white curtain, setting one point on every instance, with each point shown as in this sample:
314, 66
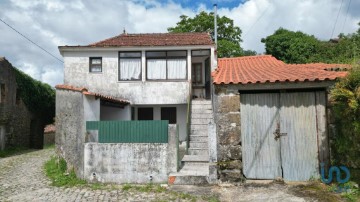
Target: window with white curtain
176, 68
166, 65
129, 66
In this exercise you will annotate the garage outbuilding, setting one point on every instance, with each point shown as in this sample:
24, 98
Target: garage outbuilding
272, 118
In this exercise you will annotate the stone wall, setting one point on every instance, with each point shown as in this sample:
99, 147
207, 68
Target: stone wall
227, 119
19, 127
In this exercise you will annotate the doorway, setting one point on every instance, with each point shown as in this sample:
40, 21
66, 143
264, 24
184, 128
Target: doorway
279, 135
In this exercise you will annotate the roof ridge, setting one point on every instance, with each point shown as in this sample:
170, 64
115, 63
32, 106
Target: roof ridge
148, 34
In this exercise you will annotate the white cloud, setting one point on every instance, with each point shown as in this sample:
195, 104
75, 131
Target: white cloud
73, 22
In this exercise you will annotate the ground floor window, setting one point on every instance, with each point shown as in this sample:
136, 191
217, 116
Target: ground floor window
168, 113
145, 113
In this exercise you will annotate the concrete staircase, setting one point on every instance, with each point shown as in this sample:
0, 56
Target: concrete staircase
195, 168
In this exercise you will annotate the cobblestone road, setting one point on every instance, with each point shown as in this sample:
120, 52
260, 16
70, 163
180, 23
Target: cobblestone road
22, 179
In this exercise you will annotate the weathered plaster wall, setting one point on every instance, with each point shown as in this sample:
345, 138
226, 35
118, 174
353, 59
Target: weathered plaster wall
70, 128
115, 113
227, 119
76, 73
131, 162
15, 118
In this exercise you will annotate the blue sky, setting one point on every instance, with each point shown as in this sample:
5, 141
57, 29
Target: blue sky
53, 23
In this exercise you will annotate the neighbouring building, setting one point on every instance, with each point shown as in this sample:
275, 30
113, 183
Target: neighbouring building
49, 134
18, 126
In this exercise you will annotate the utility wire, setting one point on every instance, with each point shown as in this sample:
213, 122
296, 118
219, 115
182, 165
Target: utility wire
337, 17
347, 11
257, 20
31, 41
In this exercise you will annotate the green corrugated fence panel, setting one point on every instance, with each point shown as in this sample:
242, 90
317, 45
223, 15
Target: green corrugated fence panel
130, 131
92, 125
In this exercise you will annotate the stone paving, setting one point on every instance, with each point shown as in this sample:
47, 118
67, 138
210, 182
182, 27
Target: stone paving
22, 179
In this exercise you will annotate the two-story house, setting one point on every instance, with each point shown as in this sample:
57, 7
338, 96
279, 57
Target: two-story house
134, 77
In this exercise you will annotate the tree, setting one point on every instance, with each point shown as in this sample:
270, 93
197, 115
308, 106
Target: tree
291, 47
229, 36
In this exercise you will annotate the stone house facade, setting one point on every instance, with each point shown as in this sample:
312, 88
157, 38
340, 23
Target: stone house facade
18, 126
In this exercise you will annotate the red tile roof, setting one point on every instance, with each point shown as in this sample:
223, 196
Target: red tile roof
154, 39
267, 69
86, 92
49, 128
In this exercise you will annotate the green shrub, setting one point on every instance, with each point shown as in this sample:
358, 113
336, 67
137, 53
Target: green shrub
345, 98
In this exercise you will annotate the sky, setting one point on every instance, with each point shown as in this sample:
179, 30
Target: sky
53, 23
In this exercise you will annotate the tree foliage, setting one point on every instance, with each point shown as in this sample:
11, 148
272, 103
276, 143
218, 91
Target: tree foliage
229, 36
37, 96
298, 47
345, 98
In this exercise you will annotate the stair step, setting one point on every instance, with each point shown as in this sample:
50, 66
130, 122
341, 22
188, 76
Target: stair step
201, 111
199, 126
196, 158
195, 102
199, 144
202, 116
202, 106
198, 151
195, 121
199, 138
188, 179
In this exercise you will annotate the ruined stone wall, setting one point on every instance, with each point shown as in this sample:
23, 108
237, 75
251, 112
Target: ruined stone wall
15, 118
227, 120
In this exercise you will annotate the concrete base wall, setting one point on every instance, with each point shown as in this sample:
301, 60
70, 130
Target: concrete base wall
131, 162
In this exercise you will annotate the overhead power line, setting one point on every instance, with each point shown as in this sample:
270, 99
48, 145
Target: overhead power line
257, 20
347, 11
337, 17
27, 38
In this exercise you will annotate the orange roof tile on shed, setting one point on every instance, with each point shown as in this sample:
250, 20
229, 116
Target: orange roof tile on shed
267, 69
86, 92
154, 39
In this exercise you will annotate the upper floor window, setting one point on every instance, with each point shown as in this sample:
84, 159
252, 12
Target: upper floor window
162, 65
95, 64
129, 66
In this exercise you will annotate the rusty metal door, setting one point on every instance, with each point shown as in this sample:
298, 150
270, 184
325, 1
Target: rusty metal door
279, 135
261, 152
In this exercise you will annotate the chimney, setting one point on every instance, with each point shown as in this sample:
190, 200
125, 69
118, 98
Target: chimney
215, 25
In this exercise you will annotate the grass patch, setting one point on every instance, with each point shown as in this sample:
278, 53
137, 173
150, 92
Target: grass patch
56, 170
49, 146
14, 151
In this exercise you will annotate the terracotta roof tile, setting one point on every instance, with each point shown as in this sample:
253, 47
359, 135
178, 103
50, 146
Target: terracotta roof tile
154, 39
267, 69
50, 128
86, 92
